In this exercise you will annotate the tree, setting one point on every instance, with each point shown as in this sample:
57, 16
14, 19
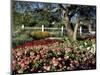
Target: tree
69, 11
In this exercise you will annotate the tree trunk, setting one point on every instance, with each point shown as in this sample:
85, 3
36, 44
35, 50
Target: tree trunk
89, 28
75, 31
67, 24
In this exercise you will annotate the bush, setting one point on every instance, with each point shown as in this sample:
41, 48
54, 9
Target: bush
19, 40
40, 34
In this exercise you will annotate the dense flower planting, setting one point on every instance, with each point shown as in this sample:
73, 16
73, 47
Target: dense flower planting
38, 42
52, 55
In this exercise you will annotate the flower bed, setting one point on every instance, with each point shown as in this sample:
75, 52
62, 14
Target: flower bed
38, 42
49, 56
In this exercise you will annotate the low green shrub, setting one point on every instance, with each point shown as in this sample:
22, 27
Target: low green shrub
40, 34
20, 40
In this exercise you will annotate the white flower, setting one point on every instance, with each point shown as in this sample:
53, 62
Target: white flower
81, 47
47, 68
20, 71
85, 43
88, 48
93, 49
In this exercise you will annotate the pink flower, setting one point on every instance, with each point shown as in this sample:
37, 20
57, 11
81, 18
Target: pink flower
76, 61
69, 49
27, 61
54, 61
13, 64
37, 57
19, 53
58, 49
59, 59
22, 65
60, 65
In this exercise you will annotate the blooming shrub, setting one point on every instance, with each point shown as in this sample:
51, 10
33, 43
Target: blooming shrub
51, 55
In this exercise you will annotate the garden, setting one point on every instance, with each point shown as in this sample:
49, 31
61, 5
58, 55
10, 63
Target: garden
51, 37
51, 55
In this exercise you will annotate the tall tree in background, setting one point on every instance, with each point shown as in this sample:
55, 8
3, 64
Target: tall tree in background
69, 11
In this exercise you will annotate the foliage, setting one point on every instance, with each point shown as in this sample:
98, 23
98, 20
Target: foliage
40, 34
20, 39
